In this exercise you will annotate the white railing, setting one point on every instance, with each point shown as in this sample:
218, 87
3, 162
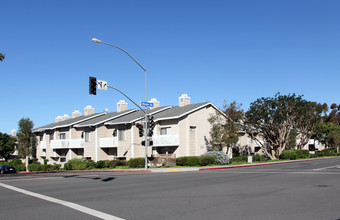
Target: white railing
108, 142
165, 140
76, 143
42, 144
59, 144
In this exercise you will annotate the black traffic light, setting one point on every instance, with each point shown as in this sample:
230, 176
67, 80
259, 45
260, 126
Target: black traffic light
151, 125
93, 85
150, 143
141, 129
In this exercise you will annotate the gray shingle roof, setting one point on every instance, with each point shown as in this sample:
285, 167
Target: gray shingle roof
105, 118
67, 123
177, 112
135, 116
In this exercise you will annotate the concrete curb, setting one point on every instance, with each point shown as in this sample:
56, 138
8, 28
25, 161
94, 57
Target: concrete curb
263, 164
188, 169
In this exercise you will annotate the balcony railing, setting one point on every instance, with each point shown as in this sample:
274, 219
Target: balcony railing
76, 143
165, 140
59, 144
42, 144
108, 142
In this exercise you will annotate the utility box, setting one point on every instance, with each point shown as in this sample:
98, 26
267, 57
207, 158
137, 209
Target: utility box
250, 159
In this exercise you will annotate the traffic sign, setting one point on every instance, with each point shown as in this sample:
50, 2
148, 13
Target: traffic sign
146, 104
101, 84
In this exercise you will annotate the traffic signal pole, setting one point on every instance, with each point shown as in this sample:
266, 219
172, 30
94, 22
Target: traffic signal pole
145, 127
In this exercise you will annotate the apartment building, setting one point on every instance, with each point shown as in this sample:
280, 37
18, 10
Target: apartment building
182, 130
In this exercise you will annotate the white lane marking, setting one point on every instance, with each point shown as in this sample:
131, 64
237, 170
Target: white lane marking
71, 205
28, 179
327, 167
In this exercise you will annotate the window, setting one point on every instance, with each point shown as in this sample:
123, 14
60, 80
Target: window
166, 131
121, 135
62, 136
51, 136
87, 136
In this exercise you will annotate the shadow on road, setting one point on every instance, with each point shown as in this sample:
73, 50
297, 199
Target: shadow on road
108, 179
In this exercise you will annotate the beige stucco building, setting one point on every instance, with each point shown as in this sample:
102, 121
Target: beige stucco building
182, 130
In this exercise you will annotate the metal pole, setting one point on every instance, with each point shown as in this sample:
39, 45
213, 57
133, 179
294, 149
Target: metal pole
145, 125
146, 99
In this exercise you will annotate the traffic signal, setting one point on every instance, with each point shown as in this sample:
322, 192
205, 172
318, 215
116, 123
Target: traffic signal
92, 85
150, 143
151, 125
141, 130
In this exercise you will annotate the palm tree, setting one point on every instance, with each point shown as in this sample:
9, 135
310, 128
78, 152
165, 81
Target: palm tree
2, 57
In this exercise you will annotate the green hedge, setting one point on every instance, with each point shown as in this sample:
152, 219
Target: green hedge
294, 154
191, 161
206, 160
36, 166
136, 162
79, 164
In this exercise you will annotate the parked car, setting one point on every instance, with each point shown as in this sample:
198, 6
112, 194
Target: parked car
7, 169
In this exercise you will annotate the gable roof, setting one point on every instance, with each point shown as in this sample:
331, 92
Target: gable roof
104, 118
67, 122
178, 112
138, 115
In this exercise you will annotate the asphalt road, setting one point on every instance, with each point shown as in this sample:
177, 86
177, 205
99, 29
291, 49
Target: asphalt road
305, 190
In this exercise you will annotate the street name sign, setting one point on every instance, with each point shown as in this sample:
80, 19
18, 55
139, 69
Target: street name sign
146, 104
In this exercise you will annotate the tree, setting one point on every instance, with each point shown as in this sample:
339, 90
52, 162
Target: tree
26, 139
270, 122
334, 115
225, 127
2, 56
309, 116
328, 133
7, 144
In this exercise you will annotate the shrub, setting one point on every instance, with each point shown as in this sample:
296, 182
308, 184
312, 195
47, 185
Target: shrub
35, 166
288, 155
239, 159
100, 164
206, 160
259, 158
190, 161
79, 164
302, 154
137, 162
181, 161
220, 157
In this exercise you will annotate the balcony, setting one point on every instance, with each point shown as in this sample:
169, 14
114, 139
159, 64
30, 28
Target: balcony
108, 142
76, 143
42, 144
165, 140
59, 144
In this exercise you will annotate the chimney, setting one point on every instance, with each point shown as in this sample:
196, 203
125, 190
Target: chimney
155, 103
88, 110
65, 117
58, 119
13, 133
76, 114
184, 100
122, 106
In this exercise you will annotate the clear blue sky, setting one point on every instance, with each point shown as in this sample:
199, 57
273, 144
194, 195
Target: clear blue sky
211, 50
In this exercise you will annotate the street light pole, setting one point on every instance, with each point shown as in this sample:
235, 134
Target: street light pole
95, 40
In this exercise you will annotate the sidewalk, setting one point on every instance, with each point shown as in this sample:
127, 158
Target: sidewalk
184, 169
